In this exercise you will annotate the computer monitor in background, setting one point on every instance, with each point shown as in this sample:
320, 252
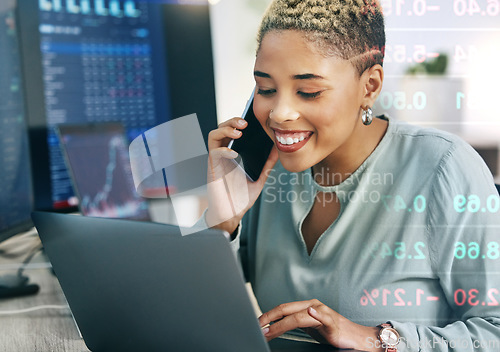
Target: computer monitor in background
141, 63
15, 175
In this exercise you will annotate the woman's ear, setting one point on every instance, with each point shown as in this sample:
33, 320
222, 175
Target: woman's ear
372, 80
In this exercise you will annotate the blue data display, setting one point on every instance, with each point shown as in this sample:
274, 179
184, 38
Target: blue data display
102, 61
113, 8
15, 180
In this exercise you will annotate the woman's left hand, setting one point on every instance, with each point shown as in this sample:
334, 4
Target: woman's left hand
321, 322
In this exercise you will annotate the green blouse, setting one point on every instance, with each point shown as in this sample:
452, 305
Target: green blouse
416, 243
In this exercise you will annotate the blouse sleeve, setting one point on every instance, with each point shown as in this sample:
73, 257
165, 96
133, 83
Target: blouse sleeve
464, 235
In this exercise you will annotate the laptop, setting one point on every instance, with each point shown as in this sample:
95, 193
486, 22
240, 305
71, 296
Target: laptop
137, 286
96, 156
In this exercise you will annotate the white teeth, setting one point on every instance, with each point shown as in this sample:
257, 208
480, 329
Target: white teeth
289, 140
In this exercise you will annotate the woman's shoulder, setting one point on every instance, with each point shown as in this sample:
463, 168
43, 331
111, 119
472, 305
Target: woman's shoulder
427, 136
432, 143
454, 161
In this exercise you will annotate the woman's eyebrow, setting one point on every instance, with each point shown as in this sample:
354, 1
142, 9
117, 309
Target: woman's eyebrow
297, 77
308, 76
261, 74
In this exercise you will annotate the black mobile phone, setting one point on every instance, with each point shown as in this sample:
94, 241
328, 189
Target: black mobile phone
253, 146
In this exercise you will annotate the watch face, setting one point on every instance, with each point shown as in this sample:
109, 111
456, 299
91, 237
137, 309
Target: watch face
389, 336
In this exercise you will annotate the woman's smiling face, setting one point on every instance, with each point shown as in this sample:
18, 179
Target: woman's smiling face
309, 104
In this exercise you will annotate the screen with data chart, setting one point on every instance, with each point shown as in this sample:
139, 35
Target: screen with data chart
110, 60
98, 162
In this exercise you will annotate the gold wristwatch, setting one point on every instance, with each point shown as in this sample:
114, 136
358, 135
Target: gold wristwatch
389, 337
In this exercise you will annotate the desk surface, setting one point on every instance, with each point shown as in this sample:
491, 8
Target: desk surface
41, 330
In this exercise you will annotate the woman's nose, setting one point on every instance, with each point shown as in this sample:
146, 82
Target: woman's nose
283, 111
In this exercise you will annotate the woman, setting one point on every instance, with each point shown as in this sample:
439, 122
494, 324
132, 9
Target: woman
360, 222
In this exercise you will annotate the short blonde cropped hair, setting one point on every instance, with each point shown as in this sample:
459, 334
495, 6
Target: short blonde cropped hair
349, 29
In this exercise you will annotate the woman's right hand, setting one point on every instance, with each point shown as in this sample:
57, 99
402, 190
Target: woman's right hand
230, 192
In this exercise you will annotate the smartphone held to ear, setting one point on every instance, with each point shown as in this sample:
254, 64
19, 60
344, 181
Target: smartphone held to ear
253, 146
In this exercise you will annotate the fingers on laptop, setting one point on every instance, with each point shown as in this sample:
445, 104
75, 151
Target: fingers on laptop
320, 321
288, 316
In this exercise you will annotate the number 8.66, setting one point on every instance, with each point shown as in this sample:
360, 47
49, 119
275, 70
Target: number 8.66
473, 251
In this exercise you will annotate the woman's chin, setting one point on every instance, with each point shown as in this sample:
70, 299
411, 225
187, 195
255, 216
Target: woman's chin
294, 165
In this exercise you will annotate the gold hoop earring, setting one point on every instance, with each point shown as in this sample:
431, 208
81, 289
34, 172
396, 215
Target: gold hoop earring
367, 116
